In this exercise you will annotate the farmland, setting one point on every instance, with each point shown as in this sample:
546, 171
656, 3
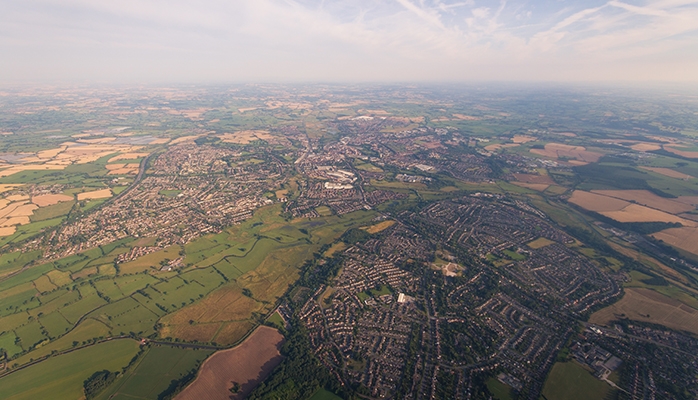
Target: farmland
153, 372
245, 364
62, 377
649, 306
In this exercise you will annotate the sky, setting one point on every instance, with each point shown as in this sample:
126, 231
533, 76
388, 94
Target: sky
210, 41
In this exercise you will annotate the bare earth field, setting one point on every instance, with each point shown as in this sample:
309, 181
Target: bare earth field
668, 172
522, 139
684, 238
649, 199
649, 306
247, 364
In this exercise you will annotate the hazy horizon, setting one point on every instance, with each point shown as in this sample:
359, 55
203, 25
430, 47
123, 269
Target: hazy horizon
84, 41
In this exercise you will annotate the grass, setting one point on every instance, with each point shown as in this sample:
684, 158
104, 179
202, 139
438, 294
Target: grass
499, 390
539, 243
570, 381
154, 372
87, 330
62, 377
323, 394
52, 211
276, 320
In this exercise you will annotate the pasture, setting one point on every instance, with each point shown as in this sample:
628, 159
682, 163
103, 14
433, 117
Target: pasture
155, 369
62, 377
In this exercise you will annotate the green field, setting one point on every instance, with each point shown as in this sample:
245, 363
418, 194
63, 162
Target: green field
62, 377
323, 394
154, 371
499, 390
570, 381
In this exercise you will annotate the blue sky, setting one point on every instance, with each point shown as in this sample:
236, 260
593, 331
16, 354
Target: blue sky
354, 40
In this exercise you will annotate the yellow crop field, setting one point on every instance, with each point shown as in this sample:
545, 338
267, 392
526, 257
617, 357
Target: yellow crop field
638, 213
685, 238
596, 202
50, 199
381, 226
96, 194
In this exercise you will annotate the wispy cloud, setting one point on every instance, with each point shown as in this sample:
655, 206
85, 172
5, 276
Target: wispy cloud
220, 40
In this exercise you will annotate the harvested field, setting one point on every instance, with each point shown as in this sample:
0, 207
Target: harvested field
96, 194
649, 199
682, 153
649, 306
50, 199
638, 213
122, 169
7, 231
247, 364
557, 150
14, 221
128, 156
596, 202
245, 137
684, 238
466, 117
497, 146
530, 178
6, 188
522, 139
380, 226
645, 147
540, 187
668, 172
30, 167
183, 139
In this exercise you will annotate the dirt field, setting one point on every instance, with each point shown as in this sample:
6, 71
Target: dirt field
683, 238
649, 199
597, 202
466, 117
649, 306
557, 150
530, 178
50, 199
96, 194
668, 172
246, 364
